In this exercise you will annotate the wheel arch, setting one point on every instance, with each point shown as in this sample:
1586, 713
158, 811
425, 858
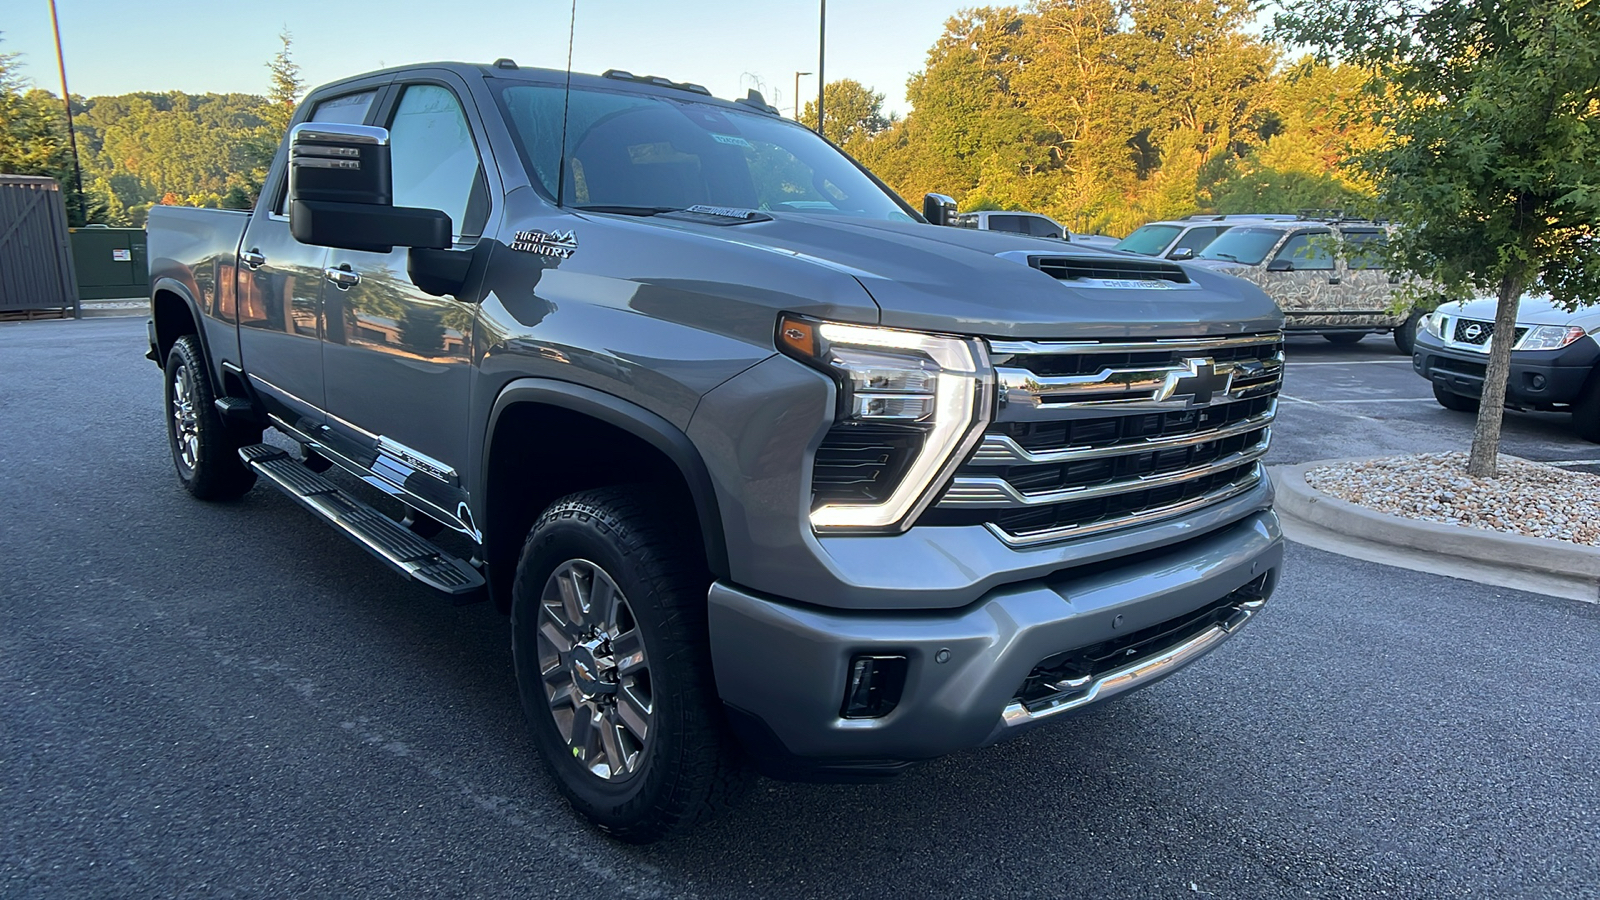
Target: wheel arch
546, 439
173, 314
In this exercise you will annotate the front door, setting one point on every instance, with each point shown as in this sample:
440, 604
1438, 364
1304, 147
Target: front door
279, 294
1301, 276
397, 360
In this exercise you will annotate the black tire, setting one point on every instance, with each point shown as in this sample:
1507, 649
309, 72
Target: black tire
1405, 334
1586, 411
1455, 401
686, 765
204, 450
1345, 337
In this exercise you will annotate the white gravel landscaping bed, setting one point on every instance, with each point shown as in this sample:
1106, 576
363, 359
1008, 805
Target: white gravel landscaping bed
1526, 498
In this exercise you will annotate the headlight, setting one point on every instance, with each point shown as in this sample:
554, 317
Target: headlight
1433, 323
911, 406
1549, 337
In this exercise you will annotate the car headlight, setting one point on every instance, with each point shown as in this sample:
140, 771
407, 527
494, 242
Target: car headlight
911, 406
1549, 337
1433, 323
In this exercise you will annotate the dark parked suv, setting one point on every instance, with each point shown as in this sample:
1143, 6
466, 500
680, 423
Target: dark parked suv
764, 467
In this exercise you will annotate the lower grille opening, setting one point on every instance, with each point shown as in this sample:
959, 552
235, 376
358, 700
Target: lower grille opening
1074, 671
862, 463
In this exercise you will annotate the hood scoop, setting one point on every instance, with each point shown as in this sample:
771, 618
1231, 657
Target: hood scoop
1091, 269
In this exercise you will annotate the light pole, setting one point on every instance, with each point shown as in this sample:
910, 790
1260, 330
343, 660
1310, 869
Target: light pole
66, 97
822, 51
797, 94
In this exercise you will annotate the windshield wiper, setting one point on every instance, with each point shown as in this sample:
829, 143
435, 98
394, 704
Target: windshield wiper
629, 210
1225, 256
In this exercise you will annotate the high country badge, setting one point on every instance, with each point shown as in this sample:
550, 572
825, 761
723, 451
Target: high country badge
560, 244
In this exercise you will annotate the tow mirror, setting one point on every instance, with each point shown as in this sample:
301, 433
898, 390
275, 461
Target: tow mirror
341, 193
938, 209
1280, 265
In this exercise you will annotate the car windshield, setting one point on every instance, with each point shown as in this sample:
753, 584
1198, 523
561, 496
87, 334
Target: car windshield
1242, 245
1149, 240
643, 154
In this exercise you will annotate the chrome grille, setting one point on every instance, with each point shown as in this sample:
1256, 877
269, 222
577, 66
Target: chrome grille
1091, 436
1477, 332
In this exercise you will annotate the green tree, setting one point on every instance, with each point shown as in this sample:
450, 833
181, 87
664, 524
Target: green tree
33, 136
854, 112
286, 86
1492, 109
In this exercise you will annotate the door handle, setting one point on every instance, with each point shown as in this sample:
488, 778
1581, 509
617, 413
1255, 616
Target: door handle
1333, 280
343, 276
253, 259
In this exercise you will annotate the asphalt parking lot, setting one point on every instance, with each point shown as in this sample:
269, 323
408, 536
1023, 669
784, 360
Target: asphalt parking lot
1363, 399
229, 700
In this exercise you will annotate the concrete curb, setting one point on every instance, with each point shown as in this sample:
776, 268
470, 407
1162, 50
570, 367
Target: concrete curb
96, 309
1300, 500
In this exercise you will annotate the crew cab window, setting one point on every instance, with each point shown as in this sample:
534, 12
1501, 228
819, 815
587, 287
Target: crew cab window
1364, 249
642, 152
1039, 226
1308, 250
434, 160
1148, 240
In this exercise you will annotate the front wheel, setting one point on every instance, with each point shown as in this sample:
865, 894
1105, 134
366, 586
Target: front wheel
1455, 401
613, 662
1405, 334
204, 451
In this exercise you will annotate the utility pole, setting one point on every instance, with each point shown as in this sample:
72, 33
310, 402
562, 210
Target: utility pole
66, 97
822, 52
797, 94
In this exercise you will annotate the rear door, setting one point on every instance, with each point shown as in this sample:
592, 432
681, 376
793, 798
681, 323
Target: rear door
398, 360
279, 293
1366, 282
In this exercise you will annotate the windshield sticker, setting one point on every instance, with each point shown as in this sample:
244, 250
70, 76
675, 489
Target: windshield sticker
560, 244
731, 140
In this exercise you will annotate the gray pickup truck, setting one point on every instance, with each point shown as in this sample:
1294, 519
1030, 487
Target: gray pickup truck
769, 470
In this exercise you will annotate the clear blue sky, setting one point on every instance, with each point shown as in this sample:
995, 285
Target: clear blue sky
206, 45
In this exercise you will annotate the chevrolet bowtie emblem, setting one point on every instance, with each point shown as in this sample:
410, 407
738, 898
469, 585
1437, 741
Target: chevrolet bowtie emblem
1199, 381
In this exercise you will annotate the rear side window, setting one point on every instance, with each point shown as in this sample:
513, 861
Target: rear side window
1364, 249
1308, 250
1013, 224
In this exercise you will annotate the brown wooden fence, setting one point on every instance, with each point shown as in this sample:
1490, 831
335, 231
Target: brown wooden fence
36, 277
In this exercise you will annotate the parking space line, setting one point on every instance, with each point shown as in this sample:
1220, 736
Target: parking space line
1572, 462
1372, 400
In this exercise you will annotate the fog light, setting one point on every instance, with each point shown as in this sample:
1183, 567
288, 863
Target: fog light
1536, 381
873, 688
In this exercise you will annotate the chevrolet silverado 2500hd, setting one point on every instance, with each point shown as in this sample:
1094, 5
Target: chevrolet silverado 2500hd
768, 470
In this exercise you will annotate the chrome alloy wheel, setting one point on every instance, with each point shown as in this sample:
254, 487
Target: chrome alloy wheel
185, 419
594, 670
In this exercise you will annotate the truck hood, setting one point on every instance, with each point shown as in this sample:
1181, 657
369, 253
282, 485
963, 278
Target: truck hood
1533, 309
966, 281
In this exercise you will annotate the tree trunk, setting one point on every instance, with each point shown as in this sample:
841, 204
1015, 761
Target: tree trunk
1492, 409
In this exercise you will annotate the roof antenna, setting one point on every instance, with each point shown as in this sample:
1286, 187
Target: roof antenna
566, 101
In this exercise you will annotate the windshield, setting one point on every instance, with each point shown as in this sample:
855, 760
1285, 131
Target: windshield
643, 154
1149, 240
1242, 245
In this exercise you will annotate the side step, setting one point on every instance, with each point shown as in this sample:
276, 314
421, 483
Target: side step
408, 553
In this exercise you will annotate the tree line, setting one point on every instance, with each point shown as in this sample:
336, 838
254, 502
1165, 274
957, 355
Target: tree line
1101, 113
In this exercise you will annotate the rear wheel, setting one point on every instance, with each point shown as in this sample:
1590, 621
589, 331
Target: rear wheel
1345, 337
1586, 411
613, 664
1452, 400
204, 450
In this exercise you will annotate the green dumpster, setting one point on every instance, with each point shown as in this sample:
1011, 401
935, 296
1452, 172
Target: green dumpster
111, 263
